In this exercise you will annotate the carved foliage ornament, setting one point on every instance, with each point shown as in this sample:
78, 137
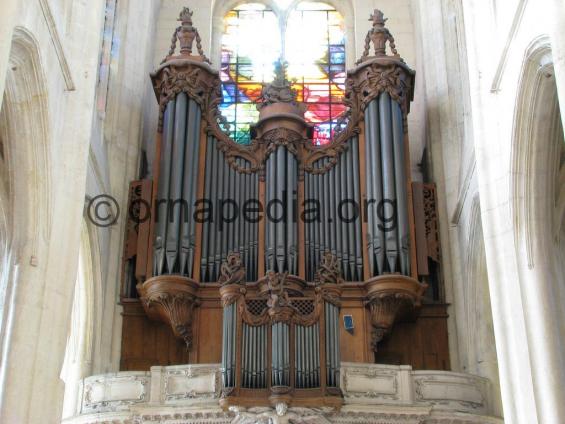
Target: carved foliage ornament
171, 299
179, 309
390, 297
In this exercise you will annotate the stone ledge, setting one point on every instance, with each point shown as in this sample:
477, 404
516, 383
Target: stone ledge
372, 393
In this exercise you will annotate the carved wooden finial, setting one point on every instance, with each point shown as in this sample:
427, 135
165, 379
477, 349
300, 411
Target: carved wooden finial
280, 90
378, 18
379, 35
185, 16
186, 34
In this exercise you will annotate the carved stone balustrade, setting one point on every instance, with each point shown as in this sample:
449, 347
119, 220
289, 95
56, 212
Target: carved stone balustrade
372, 394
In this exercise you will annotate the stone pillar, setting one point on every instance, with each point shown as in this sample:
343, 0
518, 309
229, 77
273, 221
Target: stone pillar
7, 19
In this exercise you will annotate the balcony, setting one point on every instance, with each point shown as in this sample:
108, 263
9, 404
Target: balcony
371, 394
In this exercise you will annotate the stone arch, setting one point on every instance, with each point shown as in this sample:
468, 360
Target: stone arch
538, 172
26, 210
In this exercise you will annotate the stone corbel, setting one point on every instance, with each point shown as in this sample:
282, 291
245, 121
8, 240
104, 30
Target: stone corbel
171, 299
390, 298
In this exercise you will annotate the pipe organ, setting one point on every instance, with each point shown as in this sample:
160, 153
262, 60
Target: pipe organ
280, 232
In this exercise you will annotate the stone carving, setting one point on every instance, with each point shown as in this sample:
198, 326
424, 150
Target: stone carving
280, 415
114, 392
191, 382
372, 393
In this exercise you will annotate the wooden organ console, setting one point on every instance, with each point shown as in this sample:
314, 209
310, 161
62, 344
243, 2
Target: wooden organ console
321, 232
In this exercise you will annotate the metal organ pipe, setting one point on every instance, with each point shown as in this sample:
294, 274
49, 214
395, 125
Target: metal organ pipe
228, 348
163, 188
281, 236
178, 177
337, 191
388, 227
191, 158
388, 215
223, 183
374, 189
400, 185
175, 189
357, 197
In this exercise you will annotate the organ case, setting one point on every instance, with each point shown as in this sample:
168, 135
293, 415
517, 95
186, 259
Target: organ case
269, 291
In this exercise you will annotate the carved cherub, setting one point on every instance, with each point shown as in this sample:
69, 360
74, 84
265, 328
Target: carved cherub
232, 270
278, 295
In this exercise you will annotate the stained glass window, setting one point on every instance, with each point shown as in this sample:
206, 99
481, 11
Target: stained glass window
314, 47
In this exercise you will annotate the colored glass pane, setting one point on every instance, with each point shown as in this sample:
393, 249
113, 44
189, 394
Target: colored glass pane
314, 51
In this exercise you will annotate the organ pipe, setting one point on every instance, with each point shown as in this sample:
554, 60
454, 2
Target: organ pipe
175, 229
337, 190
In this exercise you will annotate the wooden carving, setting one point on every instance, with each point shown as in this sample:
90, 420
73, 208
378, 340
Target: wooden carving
171, 299
431, 222
390, 297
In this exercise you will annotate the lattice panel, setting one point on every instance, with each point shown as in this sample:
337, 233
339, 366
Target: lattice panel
256, 307
304, 306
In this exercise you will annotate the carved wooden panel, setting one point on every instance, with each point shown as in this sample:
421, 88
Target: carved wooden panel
147, 343
422, 344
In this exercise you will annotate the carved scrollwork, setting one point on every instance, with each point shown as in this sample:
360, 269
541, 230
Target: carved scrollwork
384, 309
171, 299
178, 308
329, 270
281, 137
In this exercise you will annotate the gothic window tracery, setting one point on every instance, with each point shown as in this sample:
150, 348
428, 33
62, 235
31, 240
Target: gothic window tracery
255, 36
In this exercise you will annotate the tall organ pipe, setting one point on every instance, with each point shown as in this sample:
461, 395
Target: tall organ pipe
178, 174
192, 155
357, 197
388, 215
161, 217
400, 181
222, 182
331, 314
281, 236
374, 188
388, 227
337, 191
175, 189
228, 347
